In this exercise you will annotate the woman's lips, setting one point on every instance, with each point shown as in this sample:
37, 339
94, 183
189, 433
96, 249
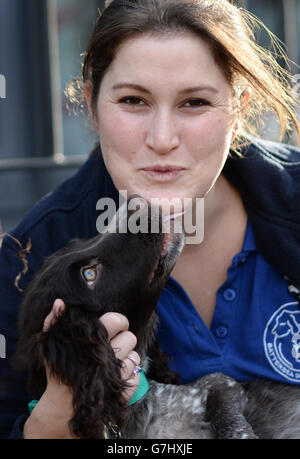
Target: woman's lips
162, 174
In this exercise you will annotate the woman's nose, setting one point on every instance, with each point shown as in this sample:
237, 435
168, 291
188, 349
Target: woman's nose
162, 133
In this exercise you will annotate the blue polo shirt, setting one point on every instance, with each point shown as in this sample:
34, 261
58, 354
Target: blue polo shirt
255, 331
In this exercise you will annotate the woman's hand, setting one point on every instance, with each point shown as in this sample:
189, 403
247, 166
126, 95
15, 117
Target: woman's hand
123, 342
50, 417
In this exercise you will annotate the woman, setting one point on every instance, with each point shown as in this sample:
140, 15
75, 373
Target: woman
174, 89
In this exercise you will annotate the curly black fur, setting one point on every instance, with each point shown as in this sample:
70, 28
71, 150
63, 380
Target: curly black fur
159, 370
76, 348
77, 351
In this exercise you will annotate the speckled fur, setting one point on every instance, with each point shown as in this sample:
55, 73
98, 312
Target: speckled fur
216, 406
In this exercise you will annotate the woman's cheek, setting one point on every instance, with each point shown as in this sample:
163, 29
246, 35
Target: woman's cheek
211, 134
124, 133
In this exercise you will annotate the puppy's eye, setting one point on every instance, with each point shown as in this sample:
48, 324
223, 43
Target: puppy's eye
89, 273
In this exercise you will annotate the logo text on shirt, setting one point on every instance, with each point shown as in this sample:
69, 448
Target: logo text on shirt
282, 341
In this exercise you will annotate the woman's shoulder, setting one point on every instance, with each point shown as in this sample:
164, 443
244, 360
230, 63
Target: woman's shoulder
72, 200
266, 170
283, 153
60, 202
267, 177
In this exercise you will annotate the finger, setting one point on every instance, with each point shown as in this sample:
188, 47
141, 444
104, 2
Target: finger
114, 323
123, 344
56, 311
129, 364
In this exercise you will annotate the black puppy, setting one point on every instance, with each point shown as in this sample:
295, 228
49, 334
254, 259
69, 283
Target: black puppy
118, 271
125, 272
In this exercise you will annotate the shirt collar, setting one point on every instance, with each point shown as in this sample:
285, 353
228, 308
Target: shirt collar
249, 245
249, 239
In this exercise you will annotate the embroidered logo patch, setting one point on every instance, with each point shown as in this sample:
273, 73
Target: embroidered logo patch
282, 341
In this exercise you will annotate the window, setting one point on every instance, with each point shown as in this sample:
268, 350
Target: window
283, 19
69, 31
40, 47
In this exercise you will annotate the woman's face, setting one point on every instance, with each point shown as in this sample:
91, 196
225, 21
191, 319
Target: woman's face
164, 116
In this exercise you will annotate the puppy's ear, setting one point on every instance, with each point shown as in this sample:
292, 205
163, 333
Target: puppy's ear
78, 352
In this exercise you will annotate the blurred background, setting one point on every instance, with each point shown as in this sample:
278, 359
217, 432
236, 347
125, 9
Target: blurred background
41, 45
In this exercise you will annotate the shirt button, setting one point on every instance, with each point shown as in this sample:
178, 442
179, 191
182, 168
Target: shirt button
221, 331
229, 294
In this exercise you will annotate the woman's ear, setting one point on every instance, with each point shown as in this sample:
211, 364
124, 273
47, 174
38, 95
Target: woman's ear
244, 101
245, 97
88, 89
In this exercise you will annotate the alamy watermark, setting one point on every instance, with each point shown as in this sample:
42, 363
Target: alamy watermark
2, 87
185, 215
2, 347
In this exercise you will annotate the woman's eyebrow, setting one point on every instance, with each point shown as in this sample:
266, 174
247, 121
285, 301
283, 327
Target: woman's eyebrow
199, 88
130, 86
184, 91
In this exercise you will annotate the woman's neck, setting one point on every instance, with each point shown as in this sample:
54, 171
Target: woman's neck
220, 204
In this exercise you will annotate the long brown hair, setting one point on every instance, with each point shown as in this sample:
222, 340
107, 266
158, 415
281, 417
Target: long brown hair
230, 32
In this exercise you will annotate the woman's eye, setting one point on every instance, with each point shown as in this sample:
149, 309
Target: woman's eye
89, 274
131, 101
196, 103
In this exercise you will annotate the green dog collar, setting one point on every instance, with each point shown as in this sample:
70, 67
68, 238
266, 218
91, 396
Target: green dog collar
31, 405
139, 393
141, 390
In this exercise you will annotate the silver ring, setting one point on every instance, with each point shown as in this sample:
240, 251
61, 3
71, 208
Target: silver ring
137, 370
